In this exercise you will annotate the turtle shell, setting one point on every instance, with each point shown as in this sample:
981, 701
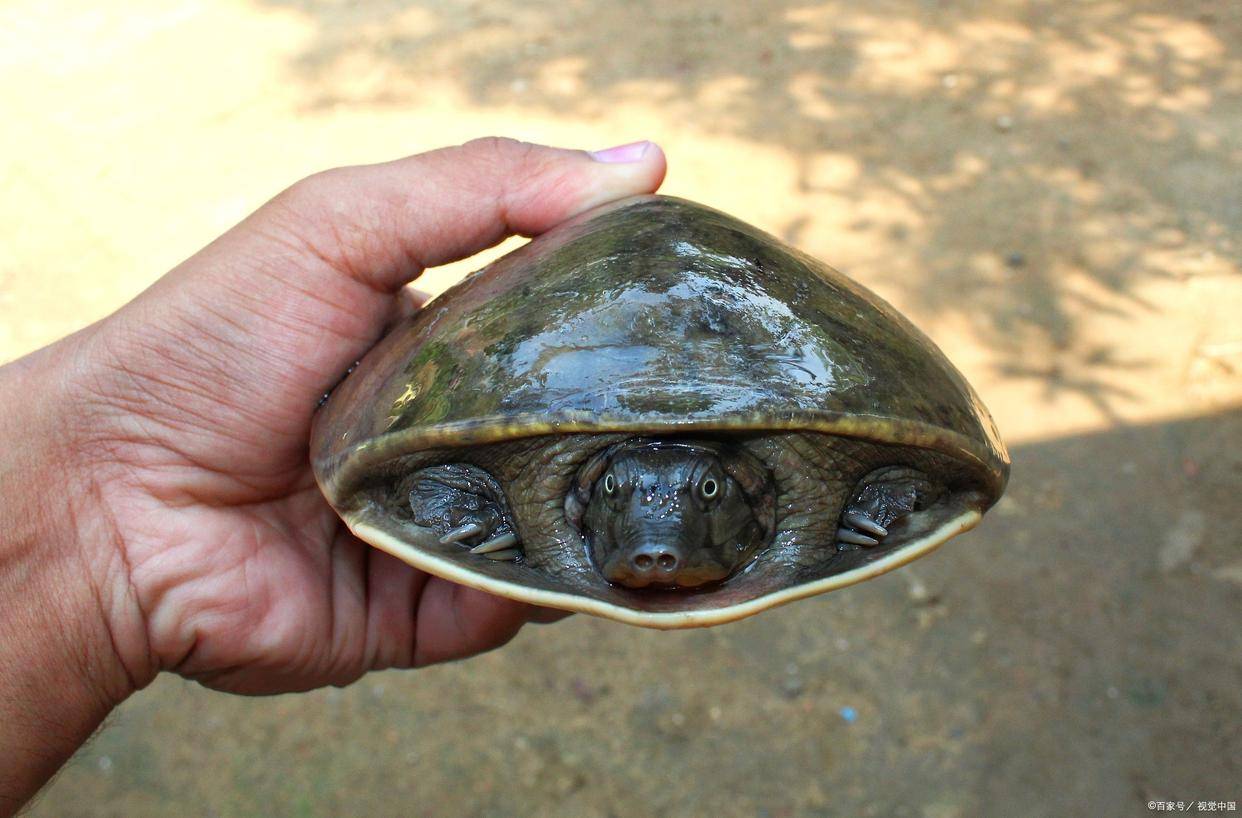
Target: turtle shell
647, 317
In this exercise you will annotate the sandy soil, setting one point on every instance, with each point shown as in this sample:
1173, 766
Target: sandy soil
1050, 190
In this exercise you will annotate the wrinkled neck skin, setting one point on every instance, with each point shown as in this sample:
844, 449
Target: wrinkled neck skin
669, 514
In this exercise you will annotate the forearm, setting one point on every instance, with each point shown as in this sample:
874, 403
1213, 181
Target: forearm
59, 672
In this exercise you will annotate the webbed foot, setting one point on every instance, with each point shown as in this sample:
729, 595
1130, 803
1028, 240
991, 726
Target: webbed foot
464, 504
883, 497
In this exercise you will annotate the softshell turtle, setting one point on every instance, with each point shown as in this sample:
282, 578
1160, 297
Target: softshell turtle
658, 414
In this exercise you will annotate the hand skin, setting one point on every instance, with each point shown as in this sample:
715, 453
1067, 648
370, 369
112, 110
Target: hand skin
157, 509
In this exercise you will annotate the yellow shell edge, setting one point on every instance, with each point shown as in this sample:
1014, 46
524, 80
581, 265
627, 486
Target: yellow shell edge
453, 572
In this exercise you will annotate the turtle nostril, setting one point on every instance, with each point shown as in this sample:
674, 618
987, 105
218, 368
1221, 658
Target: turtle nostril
654, 559
646, 564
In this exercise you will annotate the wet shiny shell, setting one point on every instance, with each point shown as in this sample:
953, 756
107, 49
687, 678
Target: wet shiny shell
651, 316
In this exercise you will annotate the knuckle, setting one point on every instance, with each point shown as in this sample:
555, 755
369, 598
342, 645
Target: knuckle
510, 162
310, 193
517, 170
500, 149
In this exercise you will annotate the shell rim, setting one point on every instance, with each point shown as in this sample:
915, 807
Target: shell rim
669, 620
349, 468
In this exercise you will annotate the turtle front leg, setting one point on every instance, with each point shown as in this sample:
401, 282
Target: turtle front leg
464, 504
882, 498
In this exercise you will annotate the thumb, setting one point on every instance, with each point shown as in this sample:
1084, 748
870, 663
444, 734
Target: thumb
269, 314
366, 231
383, 224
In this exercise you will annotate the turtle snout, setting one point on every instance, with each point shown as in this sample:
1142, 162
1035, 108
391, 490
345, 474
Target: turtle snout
648, 563
663, 565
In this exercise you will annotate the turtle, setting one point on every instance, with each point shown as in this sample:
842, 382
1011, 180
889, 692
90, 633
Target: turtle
659, 414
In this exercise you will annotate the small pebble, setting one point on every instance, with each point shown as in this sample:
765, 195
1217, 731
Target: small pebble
1004, 123
582, 691
918, 591
848, 714
1182, 540
792, 687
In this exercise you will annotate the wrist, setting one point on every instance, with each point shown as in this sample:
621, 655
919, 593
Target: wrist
62, 580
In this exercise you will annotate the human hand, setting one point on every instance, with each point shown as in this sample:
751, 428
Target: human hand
159, 510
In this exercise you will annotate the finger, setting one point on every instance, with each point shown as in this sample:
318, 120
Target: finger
259, 324
303, 287
383, 224
455, 621
394, 589
410, 300
546, 616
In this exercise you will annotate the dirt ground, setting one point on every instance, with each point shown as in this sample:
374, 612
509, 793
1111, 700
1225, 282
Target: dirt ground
1051, 190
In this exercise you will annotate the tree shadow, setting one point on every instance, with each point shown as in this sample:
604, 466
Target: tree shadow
1022, 167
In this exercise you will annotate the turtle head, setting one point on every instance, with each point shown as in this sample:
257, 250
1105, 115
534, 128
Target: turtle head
662, 513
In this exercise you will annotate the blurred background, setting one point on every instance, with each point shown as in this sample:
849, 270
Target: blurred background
1051, 190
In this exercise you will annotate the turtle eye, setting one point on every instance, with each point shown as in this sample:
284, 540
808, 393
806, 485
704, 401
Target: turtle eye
610, 484
709, 488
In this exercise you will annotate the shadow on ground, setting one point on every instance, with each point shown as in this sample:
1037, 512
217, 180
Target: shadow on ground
1024, 166
1079, 654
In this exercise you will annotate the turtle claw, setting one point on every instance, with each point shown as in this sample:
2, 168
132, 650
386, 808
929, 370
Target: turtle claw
464, 505
861, 522
463, 532
504, 541
881, 499
849, 535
